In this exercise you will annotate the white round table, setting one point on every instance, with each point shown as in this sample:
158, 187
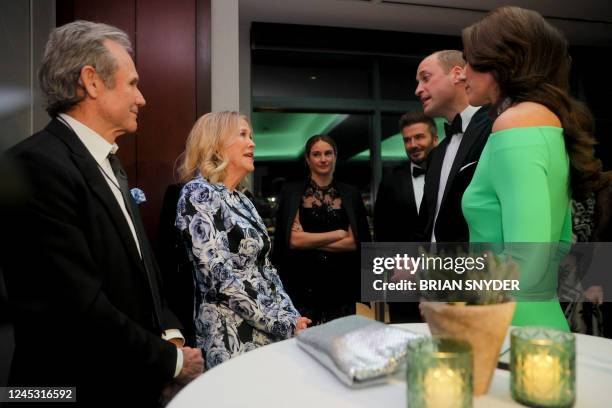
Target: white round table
283, 375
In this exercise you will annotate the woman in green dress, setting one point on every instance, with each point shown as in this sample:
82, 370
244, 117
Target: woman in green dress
539, 152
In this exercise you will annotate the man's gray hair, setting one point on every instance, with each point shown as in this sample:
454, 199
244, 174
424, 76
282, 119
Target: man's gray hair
69, 49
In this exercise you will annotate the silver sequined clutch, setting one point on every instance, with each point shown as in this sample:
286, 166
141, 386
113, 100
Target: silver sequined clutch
359, 351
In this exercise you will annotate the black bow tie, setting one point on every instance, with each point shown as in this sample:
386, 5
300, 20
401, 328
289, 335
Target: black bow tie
417, 171
454, 127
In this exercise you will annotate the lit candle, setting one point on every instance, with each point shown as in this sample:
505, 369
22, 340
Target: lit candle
443, 388
542, 374
439, 373
543, 367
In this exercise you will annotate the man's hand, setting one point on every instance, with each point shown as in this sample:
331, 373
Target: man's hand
301, 324
594, 294
406, 273
193, 365
400, 275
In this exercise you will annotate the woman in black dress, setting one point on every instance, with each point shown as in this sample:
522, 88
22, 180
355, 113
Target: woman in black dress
320, 225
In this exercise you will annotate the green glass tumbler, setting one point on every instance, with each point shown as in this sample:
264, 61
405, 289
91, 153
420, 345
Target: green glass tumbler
543, 367
439, 373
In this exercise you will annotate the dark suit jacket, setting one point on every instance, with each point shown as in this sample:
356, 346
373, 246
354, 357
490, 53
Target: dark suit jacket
80, 298
289, 201
450, 225
396, 218
175, 265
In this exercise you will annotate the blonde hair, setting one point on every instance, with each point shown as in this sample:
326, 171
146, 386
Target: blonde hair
205, 145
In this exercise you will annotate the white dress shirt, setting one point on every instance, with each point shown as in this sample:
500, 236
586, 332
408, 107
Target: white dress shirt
449, 158
99, 148
418, 184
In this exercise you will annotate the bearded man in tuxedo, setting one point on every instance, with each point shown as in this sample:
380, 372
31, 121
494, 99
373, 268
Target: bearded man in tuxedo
400, 194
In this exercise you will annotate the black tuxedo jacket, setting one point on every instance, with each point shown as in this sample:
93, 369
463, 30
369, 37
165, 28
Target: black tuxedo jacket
450, 225
81, 301
396, 218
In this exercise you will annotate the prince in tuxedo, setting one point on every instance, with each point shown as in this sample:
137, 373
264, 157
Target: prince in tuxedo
441, 88
400, 194
83, 287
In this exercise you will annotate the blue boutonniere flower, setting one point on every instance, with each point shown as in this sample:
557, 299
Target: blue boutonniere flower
138, 195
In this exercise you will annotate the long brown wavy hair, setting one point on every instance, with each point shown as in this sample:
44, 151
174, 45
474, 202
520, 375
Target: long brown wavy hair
530, 61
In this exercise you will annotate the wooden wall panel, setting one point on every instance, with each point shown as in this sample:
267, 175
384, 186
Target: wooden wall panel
203, 52
166, 61
121, 14
171, 42
64, 12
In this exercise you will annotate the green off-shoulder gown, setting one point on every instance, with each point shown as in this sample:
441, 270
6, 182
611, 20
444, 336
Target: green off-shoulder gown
520, 194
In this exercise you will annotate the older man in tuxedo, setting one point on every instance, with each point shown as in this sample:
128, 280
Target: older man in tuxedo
441, 89
83, 286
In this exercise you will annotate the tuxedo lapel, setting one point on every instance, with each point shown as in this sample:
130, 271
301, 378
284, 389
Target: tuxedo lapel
406, 189
470, 136
150, 264
466, 144
432, 178
94, 178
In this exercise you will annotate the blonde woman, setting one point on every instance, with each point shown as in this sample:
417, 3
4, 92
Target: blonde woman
240, 300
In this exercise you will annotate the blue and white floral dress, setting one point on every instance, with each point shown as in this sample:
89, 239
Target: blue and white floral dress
240, 300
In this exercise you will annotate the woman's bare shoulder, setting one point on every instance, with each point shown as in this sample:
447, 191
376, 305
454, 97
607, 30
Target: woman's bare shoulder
526, 114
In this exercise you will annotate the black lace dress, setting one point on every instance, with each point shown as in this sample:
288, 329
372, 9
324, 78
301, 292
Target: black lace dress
326, 291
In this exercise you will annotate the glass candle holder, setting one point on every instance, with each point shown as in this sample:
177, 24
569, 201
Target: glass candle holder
543, 367
439, 373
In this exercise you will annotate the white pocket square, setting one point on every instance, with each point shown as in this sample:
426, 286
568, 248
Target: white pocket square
467, 165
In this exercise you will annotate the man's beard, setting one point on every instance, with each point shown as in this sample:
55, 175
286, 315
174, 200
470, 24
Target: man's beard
422, 162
